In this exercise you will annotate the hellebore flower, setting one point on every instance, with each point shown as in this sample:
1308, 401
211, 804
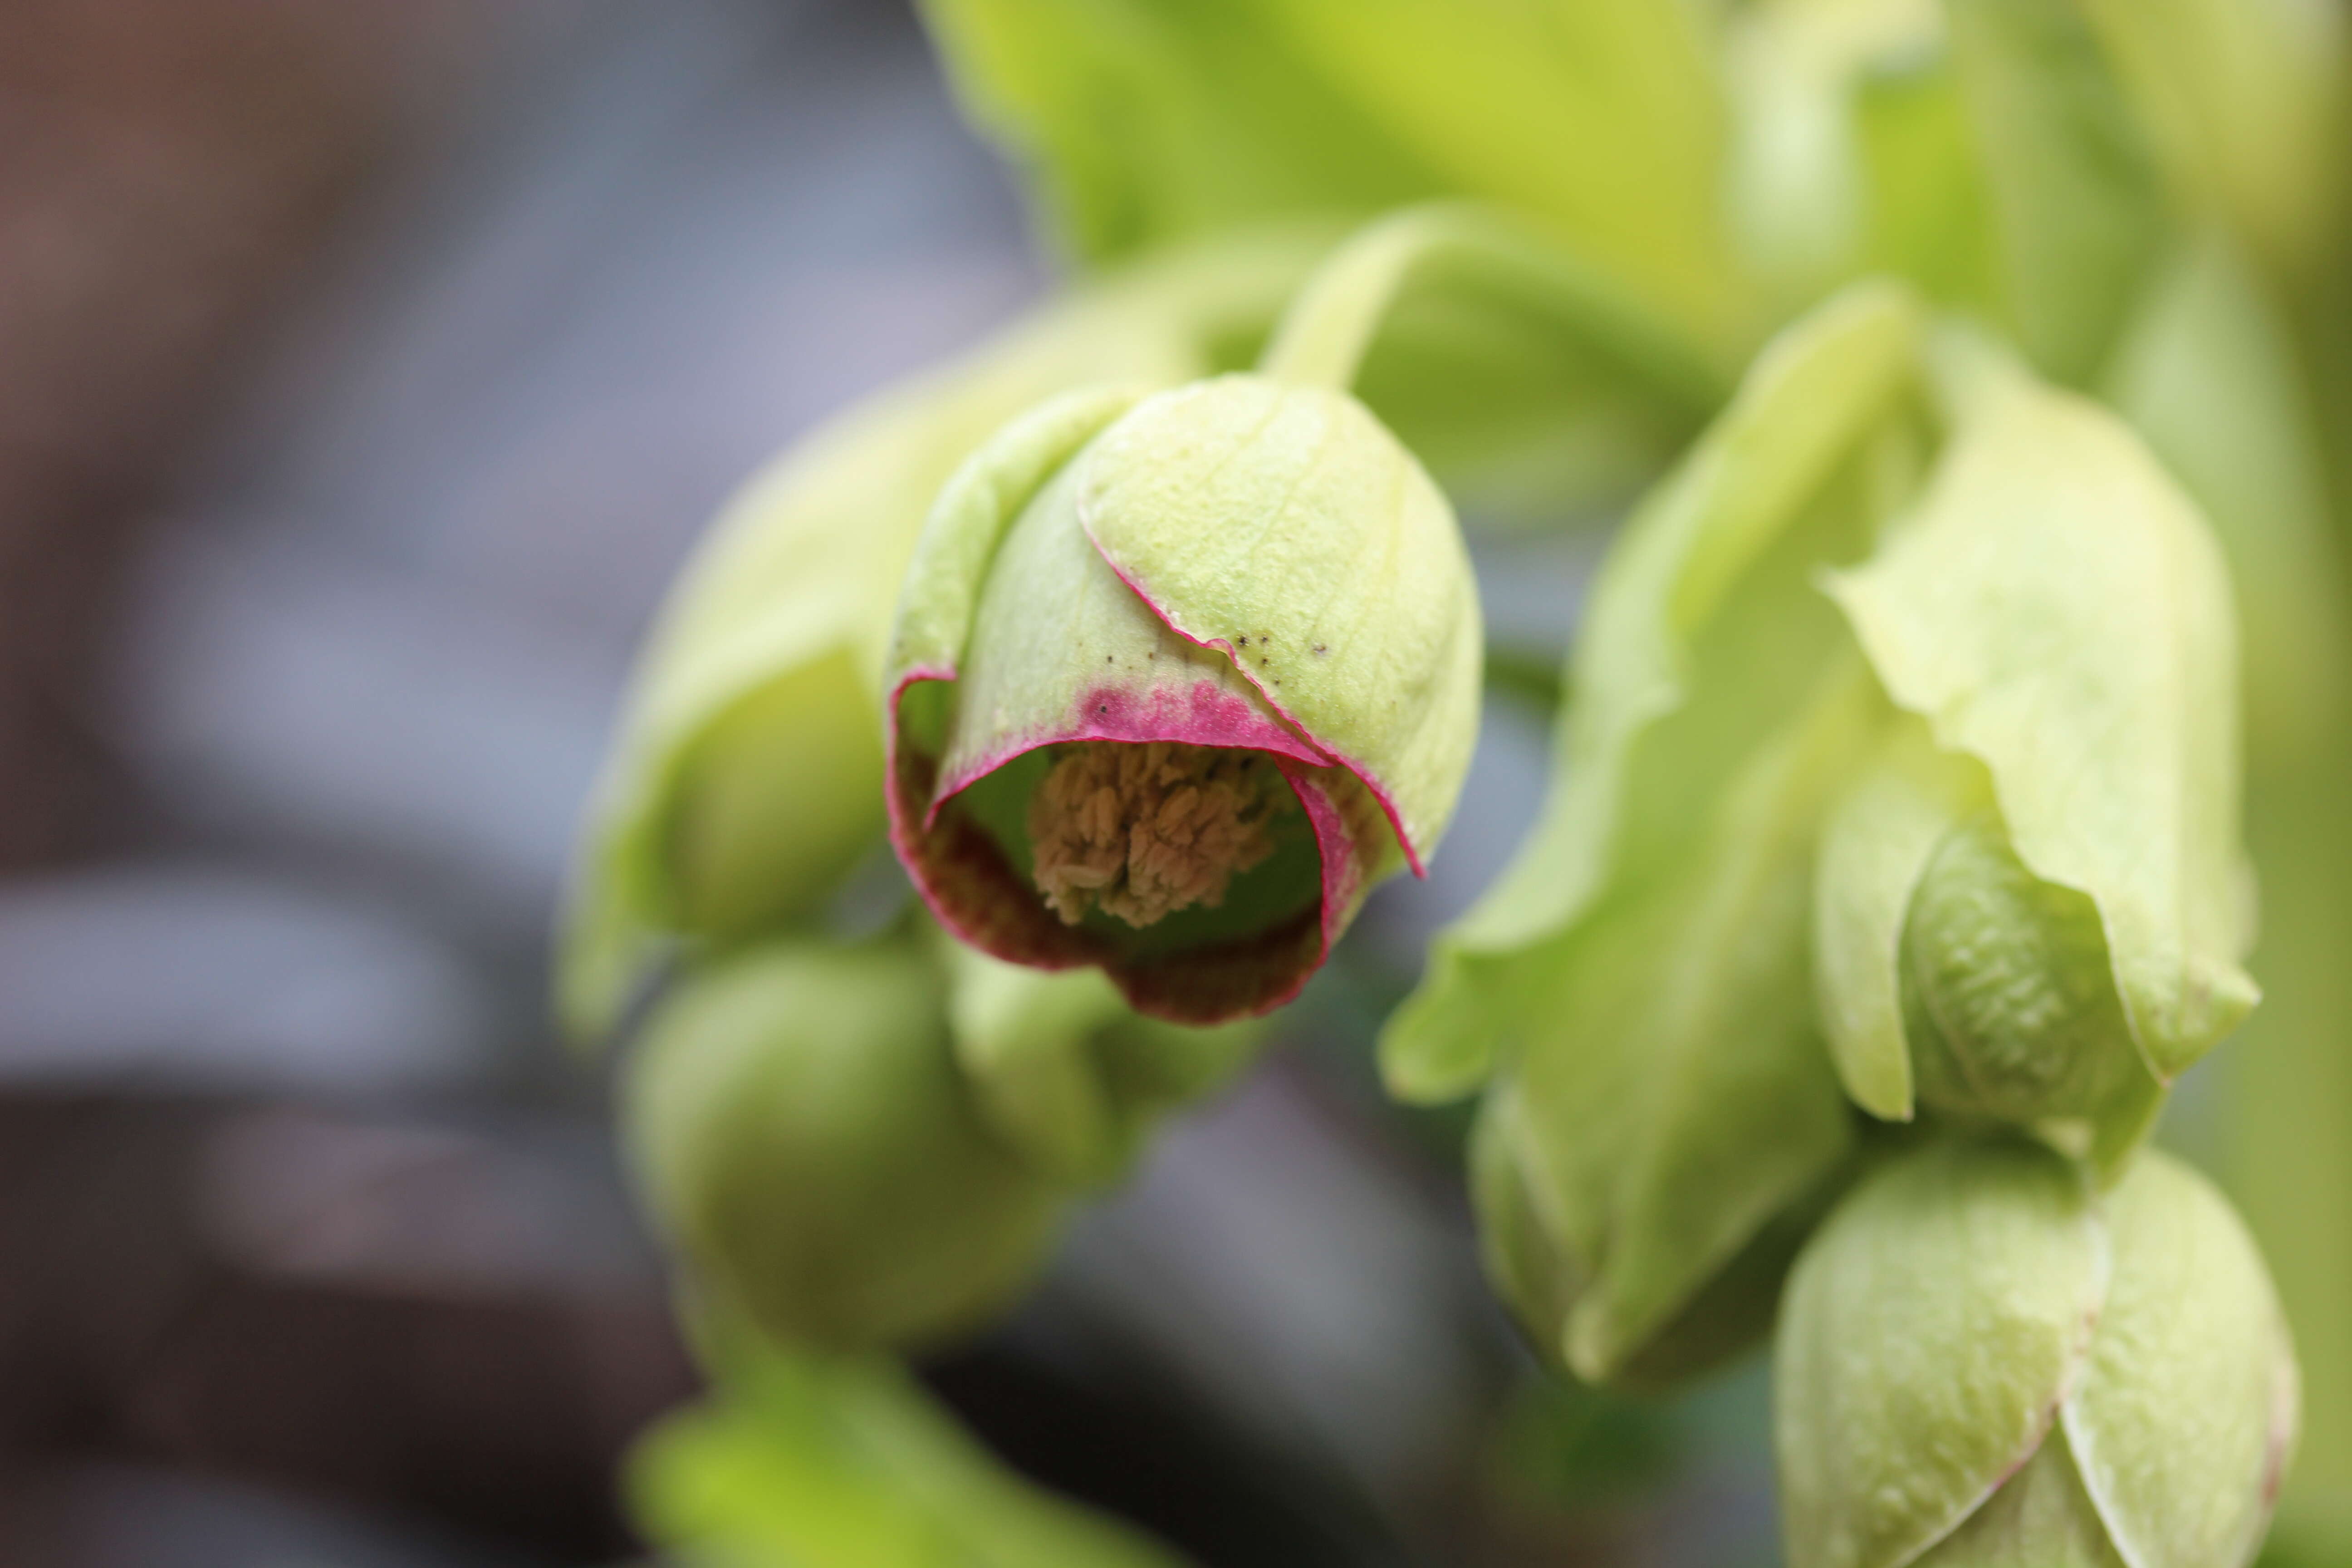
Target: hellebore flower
801, 1124
1901, 755
1980, 1365
744, 790
1176, 679
1634, 993
2031, 902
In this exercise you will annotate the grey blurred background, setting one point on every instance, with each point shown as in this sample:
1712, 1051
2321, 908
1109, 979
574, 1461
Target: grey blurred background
366, 370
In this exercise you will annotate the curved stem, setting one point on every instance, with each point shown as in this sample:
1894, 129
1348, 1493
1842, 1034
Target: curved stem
1333, 320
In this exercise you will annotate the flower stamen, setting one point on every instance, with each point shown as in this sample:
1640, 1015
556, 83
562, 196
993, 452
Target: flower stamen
1141, 831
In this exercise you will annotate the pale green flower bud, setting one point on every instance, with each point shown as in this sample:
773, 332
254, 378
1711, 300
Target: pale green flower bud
801, 1126
1980, 1364
1176, 680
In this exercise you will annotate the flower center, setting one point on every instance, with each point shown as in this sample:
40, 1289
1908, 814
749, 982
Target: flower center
1141, 831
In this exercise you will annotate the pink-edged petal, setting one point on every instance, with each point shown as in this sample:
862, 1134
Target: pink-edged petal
1286, 529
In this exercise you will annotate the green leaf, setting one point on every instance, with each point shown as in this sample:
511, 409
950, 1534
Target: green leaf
2076, 206
2186, 1412
2057, 610
1930, 1330
1148, 119
812, 1462
1148, 122
1701, 634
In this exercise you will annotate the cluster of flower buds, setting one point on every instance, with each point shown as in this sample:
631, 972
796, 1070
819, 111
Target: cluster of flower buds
1890, 877
1898, 800
1175, 676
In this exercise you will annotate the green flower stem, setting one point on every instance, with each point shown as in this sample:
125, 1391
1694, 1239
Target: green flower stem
1335, 319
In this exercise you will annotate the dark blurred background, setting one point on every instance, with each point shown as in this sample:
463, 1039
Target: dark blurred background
365, 369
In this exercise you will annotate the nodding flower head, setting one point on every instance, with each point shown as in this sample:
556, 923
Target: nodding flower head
1175, 681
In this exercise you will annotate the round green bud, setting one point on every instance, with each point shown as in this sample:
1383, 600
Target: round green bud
801, 1128
1981, 1363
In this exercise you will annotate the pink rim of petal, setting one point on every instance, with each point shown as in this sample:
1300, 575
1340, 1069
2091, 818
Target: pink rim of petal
1205, 716
1202, 716
1338, 758
1343, 871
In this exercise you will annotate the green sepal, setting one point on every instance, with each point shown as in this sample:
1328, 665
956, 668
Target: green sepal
2186, 1416
1930, 1331
2057, 609
939, 598
2009, 1002
1875, 846
1287, 527
1663, 633
1670, 1096
2041, 1518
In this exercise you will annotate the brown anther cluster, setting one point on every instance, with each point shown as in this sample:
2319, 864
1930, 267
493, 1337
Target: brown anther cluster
1142, 831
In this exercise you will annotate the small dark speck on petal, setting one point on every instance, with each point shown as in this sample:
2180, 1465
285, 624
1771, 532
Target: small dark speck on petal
1244, 642
1109, 660
1321, 648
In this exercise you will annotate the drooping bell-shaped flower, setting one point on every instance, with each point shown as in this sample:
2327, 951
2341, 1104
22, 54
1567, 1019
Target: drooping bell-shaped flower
1660, 1119
2031, 901
1176, 679
1980, 1364
743, 792
801, 1126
